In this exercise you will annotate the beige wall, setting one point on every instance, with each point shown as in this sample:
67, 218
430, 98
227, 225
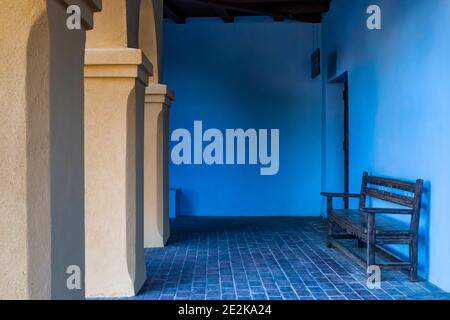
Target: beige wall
21, 83
41, 194
110, 26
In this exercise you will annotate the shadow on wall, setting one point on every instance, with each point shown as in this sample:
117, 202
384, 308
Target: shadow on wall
424, 231
174, 207
185, 203
179, 199
332, 65
37, 184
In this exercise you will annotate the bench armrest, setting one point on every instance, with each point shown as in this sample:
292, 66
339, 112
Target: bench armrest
340, 195
387, 211
330, 196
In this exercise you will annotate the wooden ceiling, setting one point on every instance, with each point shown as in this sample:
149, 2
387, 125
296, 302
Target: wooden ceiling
299, 10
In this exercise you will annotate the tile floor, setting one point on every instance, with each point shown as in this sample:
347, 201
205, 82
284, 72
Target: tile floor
263, 258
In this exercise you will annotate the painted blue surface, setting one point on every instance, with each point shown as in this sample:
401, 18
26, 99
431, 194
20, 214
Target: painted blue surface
251, 74
399, 80
173, 203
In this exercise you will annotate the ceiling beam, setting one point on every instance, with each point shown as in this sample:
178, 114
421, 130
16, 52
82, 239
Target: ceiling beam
307, 12
234, 6
296, 8
278, 19
225, 14
172, 12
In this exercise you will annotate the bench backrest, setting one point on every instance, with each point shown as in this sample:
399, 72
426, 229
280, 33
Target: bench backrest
404, 193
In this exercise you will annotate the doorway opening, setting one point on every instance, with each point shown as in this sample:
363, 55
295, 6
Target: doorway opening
346, 145
338, 136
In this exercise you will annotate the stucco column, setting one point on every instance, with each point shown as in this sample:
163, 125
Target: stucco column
41, 143
115, 81
156, 187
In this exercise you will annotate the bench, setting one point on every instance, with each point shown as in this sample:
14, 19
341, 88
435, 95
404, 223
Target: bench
372, 227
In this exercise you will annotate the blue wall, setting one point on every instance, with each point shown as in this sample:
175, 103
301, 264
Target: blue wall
251, 74
399, 80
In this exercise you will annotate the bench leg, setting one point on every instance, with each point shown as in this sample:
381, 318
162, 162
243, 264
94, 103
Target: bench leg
370, 254
329, 233
413, 259
370, 240
361, 244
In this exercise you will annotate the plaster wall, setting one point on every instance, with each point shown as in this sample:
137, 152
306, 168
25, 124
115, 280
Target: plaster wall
42, 139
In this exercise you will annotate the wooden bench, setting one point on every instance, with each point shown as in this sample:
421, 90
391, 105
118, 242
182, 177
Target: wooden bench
372, 227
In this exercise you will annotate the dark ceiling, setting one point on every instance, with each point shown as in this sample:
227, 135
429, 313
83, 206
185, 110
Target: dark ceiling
299, 10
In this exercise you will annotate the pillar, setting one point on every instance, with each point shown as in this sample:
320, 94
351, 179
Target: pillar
41, 143
116, 74
156, 186
157, 102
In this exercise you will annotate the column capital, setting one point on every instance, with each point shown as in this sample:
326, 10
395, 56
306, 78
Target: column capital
117, 63
88, 7
158, 93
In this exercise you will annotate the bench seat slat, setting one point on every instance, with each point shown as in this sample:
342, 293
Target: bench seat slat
358, 219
